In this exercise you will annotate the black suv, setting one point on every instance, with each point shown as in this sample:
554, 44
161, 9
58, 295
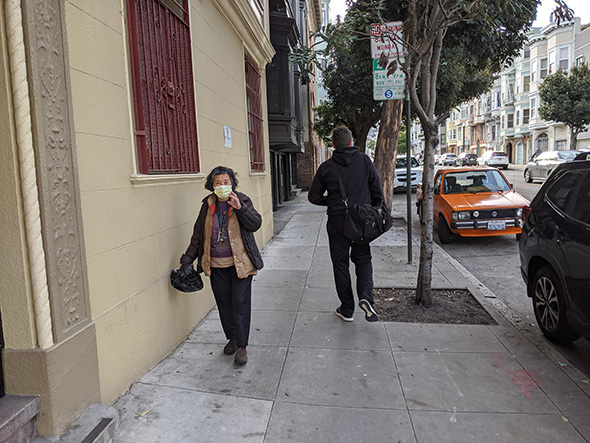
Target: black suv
555, 253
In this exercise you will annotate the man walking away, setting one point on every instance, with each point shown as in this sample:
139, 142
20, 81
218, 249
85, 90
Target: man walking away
362, 185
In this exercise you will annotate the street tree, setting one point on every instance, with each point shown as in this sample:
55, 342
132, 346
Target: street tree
565, 98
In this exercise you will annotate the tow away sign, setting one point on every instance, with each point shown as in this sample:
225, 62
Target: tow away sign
387, 37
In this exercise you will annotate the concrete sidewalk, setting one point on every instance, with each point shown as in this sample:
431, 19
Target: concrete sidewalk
313, 378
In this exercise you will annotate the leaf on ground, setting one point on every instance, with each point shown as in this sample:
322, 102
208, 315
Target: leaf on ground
562, 364
145, 413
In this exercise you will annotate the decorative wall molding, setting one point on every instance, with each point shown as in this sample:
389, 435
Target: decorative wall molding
28, 171
54, 143
242, 17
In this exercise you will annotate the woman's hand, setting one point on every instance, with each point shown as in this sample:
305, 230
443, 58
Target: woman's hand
234, 201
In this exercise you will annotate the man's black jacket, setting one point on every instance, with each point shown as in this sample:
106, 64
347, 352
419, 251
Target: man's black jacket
359, 177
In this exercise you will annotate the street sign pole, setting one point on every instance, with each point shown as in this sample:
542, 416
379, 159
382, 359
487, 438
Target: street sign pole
409, 172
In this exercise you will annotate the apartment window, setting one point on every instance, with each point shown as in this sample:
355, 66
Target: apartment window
525, 116
533, 107
533, 70
563, 62
510, 121
527, 53
493, 127
551, 62
560, 145
254, 114
463, 111
517, 118
460, 135
162, 80
498, 100
543, 68
526, 83
543, 142
502, 119
579, 61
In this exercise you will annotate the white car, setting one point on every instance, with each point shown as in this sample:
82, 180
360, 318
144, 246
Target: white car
400, 178
496, 159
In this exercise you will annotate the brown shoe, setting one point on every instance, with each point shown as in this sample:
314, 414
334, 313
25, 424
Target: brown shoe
230, 348
241, 357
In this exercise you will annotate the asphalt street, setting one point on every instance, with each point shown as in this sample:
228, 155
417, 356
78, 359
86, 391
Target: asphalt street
495, 262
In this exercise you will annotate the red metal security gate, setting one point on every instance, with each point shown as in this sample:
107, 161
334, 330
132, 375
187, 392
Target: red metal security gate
254, 114
163, 90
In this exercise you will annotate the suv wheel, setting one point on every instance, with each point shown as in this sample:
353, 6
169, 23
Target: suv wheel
445, 235
528, 177
549, 307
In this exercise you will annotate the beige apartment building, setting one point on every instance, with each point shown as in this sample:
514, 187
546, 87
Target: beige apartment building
506, 118
112, 114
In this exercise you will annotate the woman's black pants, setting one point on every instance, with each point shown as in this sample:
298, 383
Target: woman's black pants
233, 296
342, 251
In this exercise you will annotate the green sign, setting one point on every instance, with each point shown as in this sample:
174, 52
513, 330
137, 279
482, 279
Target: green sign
392, 87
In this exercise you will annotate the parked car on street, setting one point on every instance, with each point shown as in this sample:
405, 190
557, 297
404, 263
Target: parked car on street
543, 164
401, 175
473, 202
448, 159
437, 158
497, 159
555, 253
466, 159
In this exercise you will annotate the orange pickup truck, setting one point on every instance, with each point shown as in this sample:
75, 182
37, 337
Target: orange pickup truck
474, 202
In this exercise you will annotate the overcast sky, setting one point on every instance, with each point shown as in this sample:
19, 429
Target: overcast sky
580, 7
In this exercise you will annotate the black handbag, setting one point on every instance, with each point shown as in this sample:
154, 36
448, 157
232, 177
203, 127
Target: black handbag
363, 223
186, 279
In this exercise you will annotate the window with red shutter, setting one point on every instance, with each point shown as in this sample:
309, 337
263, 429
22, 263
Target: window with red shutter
163, 90
254, 114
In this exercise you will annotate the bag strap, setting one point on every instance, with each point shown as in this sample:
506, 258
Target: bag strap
341, 185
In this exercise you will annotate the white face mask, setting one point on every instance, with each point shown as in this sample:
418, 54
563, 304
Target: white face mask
222, 192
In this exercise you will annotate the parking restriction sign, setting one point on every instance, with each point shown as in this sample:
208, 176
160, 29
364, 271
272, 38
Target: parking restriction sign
386, 87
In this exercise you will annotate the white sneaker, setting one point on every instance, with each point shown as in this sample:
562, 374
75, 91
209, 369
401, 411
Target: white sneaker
370, 313
339, 314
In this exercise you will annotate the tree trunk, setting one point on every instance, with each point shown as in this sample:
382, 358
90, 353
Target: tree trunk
424, 285
386, 147
574, 138
360, 138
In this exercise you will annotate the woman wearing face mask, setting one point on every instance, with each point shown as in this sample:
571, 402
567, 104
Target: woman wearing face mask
223, 245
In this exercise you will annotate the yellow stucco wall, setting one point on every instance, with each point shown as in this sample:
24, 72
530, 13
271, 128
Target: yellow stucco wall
135, 231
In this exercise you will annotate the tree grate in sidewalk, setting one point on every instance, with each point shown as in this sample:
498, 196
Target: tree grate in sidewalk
451, 306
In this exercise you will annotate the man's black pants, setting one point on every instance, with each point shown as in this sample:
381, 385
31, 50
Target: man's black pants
234, 302
342, 251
